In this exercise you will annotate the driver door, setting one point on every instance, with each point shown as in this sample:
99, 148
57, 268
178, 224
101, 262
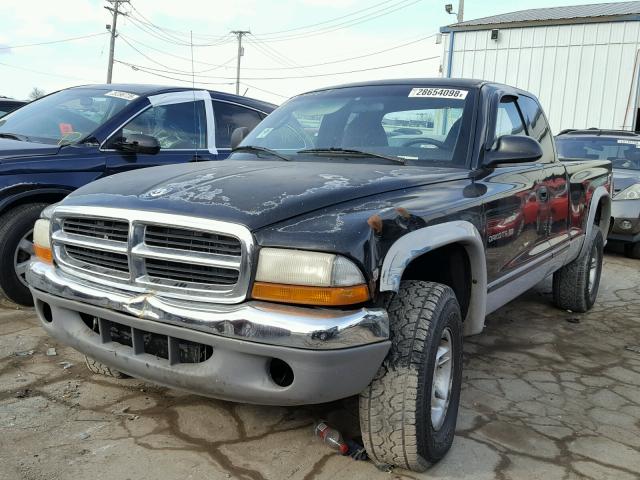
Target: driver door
178, 123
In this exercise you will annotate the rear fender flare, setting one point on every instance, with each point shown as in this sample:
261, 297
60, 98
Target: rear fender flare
416, 243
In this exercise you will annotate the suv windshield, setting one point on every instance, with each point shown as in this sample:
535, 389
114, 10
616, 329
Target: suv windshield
399, 123
64, 117
624, 152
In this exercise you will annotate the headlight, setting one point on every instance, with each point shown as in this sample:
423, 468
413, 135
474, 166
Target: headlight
310, 278
629, 193
41, 240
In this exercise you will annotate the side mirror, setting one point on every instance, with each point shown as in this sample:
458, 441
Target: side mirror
513, 149
238, 135
138, 143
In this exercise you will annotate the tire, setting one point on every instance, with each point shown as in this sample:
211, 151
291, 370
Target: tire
101, 369
16, 226
395, 410
575, 286
632, 250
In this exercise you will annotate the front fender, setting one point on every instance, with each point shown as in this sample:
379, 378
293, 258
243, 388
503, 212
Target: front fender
418, 242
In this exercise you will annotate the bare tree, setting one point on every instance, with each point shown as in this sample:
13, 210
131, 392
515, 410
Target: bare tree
36, 93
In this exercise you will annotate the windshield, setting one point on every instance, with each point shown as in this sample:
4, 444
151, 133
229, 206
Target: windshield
66, 116
623, 152
415, 125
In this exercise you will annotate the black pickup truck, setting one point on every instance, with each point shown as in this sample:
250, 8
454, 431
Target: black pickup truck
345, 248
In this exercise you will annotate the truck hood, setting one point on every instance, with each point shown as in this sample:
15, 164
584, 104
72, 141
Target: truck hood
10, 149
253, 193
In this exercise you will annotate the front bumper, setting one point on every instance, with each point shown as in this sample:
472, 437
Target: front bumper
625, 221
332, 354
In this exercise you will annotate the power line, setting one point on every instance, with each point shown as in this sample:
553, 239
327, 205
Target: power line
350, 23
145, 68
70, 39
48, 74
170, 31
189, 81
215, 65
371, 54
264, 91
304, 27
157, 32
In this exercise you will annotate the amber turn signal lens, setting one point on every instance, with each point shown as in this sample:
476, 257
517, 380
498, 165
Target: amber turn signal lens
43, 253
321, 296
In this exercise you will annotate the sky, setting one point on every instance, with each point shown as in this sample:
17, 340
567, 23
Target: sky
294, 45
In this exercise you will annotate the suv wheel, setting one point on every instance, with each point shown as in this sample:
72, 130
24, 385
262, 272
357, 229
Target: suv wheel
409, 411
575, 286
16, 249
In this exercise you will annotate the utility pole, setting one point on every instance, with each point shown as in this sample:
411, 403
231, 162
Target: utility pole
239, 34
112, 28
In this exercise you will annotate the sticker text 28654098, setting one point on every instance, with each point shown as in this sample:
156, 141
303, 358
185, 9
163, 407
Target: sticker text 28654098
439, 93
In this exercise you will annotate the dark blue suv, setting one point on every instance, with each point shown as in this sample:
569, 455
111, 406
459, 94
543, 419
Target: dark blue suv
65, 140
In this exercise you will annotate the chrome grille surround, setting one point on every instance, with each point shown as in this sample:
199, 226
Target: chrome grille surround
136, 278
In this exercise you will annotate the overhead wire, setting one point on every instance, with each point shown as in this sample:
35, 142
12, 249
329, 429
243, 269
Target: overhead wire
380, 67
350, 23
70, 39
164, 52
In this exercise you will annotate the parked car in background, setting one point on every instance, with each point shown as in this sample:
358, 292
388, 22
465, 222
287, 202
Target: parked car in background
622, 147
8, 105
69, 138
328, 258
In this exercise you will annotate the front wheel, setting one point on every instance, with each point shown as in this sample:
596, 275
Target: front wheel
409, 411
16, 249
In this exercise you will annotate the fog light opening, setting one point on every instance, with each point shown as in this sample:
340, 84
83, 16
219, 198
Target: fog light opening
45, 310
626, 224
280, 372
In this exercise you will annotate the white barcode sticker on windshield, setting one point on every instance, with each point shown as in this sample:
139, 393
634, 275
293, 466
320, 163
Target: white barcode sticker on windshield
439, 93
123, 95
630, 142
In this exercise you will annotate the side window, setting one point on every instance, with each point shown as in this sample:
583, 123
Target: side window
177, 126
537, 126
229, 117
509, 120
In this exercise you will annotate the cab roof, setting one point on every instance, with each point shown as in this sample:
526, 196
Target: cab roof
145, 90
419, 82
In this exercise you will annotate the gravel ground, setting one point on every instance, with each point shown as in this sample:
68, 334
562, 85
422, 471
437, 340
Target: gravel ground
547, 394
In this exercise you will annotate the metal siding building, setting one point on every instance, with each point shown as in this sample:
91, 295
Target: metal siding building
582, 62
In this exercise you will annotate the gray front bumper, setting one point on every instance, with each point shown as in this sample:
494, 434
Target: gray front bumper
332, 354
236, 371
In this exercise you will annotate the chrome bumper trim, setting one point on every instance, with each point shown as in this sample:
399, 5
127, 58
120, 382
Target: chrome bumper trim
260, 322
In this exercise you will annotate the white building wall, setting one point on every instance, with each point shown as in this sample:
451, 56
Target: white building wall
585, 75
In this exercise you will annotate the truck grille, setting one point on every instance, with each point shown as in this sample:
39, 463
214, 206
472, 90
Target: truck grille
97, 228
190, 273
90, 256
192, 241
170, 255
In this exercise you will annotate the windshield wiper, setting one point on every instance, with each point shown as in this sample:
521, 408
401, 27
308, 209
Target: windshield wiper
254, 148
350, 151
15, 136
